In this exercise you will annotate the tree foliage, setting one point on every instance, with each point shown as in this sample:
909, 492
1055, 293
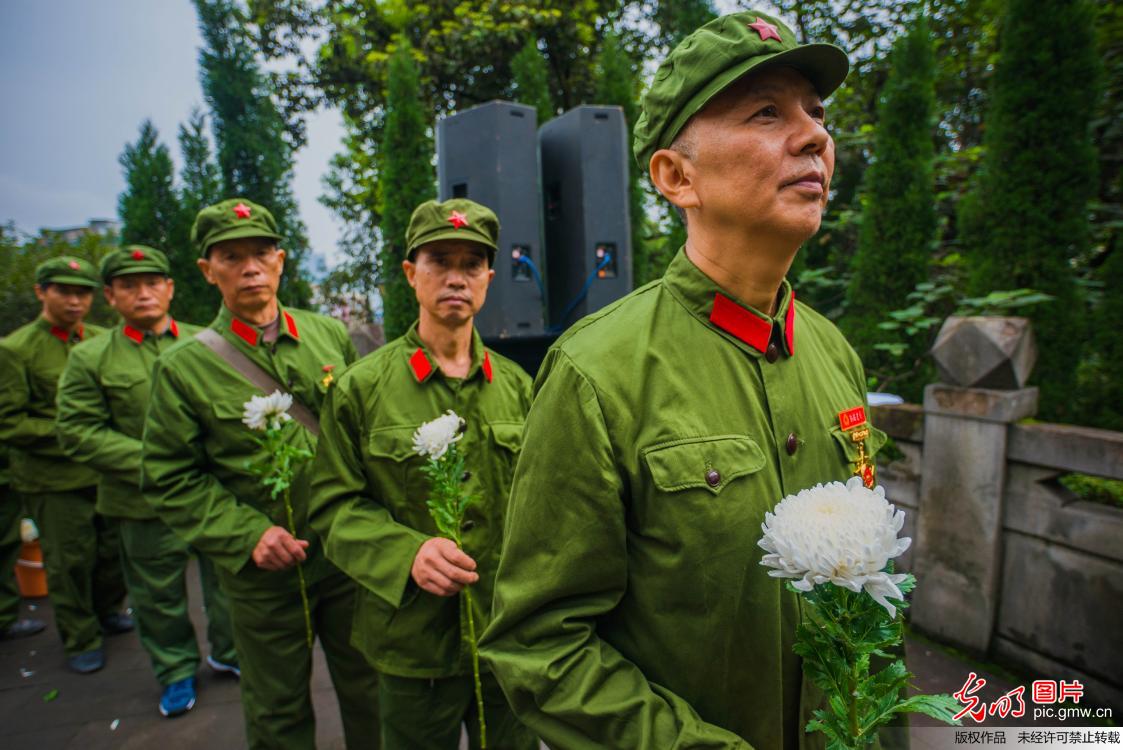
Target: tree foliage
148, 207
1026, 217
530, 80
407, 180
254, 147
200, 185
898, 228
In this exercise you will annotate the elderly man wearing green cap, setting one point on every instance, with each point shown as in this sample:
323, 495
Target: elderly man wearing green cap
102, 396
369, 492
80, 546
198, 478
631, 609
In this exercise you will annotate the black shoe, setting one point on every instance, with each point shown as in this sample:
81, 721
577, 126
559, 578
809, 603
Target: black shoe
87, 661
116, 624
23, 628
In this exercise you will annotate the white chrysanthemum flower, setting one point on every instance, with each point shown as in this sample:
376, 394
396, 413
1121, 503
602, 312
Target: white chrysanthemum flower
267, 412
836, 533
433, 438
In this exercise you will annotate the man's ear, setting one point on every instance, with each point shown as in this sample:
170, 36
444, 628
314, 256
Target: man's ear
410, 269
107, 290
204, 265
39, 293
673, 174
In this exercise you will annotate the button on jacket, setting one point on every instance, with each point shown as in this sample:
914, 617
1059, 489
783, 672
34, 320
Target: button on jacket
369, 495
630, 608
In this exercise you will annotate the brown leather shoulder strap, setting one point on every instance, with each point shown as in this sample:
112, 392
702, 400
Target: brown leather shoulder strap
248, 369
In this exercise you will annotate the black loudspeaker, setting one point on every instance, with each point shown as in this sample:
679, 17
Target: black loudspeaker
585, 192
490, 154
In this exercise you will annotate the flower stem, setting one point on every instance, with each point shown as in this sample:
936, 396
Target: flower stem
300, 573
475, 666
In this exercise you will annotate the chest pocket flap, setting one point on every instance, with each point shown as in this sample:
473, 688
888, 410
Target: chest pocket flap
394, 443
703, 462
508, 435
873, 443
123, 379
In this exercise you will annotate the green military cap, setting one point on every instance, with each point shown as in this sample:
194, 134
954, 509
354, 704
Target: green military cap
67, 269
134, 259
232, 219
455, 219
716, 55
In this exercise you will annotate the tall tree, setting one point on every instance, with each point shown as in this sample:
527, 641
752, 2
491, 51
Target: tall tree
530, 79
148, 207
898, 227
254, 155
1026, 217
677, 18
407, 179
617, 84
199, 186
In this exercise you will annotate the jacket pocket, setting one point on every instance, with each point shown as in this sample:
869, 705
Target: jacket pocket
709, 462
849, 448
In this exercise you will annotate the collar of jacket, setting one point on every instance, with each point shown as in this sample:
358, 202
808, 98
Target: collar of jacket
137, 336
423, 365
716, 308
251, 334
62, 334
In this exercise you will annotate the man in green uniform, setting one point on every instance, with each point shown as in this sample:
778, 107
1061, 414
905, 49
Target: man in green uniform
196, 452
80, 546
11, 513
102, 396
631, 609
369, 492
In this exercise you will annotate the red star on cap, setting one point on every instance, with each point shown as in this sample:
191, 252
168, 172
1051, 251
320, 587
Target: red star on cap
138, 255
458, 220
73, 264
766, 30
242, 211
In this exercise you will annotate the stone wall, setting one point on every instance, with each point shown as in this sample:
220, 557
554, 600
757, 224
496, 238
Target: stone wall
1010, 565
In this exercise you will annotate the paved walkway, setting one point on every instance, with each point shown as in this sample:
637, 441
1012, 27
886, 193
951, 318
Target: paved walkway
116, 707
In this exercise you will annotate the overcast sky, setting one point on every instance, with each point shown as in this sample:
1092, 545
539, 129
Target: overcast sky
77, 78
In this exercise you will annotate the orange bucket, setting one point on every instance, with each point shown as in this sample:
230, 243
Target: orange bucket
30, 574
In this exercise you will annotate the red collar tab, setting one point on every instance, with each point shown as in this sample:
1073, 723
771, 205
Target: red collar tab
487, 367
852, 417
420, 364
174, 329
736, 320
246, 333
133, 334
62, 334
290, 325
789, 325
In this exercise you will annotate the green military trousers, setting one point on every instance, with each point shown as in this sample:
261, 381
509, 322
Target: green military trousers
425, 714
276, 665
11, 511
82, 554
154, 562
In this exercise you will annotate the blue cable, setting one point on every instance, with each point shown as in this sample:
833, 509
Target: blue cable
560, 325
534, 271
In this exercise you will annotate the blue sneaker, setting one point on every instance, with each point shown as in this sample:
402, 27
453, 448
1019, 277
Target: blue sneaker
178, 698
87, 661
221, 667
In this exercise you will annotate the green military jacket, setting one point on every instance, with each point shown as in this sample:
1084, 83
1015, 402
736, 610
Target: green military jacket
102, 397
31, 360
631, 609
369, 495
196, 449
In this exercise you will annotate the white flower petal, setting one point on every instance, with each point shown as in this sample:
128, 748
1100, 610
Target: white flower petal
839, 533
